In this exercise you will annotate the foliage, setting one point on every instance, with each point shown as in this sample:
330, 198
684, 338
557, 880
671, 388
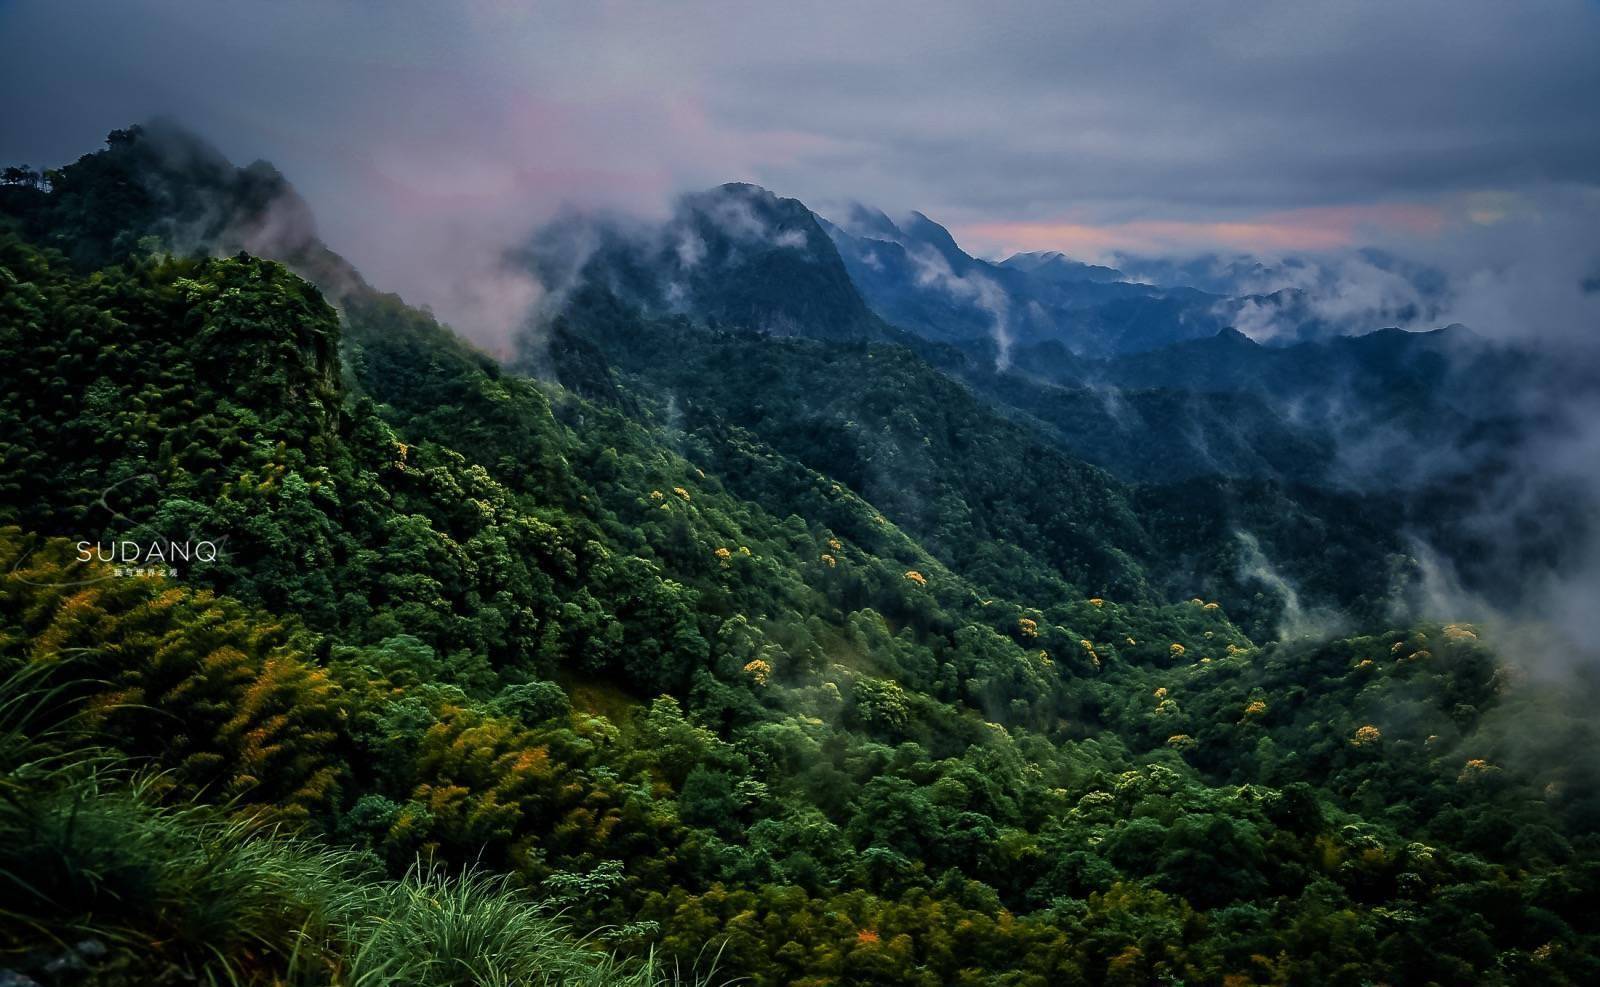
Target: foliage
816, 664
155, 893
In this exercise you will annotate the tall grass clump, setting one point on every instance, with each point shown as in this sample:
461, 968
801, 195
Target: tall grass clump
172, 891
435, 928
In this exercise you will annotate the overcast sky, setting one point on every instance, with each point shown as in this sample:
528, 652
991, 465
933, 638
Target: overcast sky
1085, 127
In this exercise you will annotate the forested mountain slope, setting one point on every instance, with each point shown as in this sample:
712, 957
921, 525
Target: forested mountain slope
995, 499
1333, 457
765, 657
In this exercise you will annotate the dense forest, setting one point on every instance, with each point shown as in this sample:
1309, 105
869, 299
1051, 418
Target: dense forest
676, 650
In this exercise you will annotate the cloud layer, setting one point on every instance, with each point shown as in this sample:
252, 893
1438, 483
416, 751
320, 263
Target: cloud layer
1251, 125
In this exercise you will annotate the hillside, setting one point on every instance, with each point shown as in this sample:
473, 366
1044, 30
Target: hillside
760, 649
997, 500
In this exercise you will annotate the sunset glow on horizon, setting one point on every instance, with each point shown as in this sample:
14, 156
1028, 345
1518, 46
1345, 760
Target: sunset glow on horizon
1313, 229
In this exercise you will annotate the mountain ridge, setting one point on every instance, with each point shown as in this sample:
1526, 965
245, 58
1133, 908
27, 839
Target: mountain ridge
773, 649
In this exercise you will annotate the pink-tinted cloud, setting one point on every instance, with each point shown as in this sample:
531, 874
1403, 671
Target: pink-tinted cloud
1309, 229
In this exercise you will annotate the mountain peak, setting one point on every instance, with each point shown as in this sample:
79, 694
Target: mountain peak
863, 220
1055, 265
921, 229
736, 255
1235, 337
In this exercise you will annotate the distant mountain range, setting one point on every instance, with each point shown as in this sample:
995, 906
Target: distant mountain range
1137, 368
915, 276
739, 255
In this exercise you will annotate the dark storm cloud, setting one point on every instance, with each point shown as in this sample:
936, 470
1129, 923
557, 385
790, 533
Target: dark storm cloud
972, 112
1193, 108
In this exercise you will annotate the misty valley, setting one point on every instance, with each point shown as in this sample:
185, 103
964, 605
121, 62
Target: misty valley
776, 596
